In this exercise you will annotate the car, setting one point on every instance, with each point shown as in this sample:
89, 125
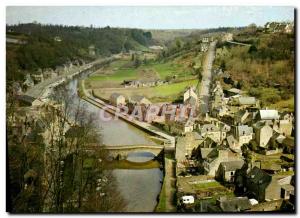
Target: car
187, 199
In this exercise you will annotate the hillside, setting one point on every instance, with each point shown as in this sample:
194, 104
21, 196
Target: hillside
52, 45
265, 68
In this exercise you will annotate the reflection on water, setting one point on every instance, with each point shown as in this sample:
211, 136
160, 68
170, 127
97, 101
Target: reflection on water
139, 188
140, 156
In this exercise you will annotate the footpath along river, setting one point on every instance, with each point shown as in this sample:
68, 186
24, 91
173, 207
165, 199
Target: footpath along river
139, 188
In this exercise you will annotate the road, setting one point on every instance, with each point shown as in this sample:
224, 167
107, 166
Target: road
238, 43
204, 88
43, 88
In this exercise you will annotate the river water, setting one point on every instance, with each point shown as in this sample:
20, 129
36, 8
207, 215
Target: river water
139, 188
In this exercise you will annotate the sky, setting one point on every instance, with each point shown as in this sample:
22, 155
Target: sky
150, 17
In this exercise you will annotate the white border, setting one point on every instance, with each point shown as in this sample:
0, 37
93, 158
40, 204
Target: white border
5, 3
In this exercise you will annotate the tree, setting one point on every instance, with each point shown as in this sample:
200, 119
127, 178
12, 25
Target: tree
56, 173
178, 44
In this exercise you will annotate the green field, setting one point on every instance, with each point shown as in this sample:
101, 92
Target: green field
118, 71
163, 93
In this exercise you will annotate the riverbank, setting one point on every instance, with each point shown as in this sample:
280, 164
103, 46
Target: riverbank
169, 140
167, 196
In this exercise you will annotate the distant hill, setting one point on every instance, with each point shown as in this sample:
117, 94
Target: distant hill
52, 45
164, 36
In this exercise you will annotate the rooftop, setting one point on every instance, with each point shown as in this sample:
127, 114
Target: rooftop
232, 165
268, 114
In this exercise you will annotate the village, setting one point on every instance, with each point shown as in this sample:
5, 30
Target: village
223, 150
237, 157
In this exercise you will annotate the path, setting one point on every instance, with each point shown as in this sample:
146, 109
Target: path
204, 88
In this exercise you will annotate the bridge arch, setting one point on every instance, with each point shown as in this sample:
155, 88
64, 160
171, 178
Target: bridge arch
123, 151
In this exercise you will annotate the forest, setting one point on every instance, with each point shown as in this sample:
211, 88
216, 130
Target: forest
48, 46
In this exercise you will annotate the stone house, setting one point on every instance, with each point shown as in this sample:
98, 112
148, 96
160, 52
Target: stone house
263, 134
233, 144
131, 83
37, 78
288, 145
139, 100
233, 92
244, 102
285, 127
208, 143
48, 73
211, 131
243, 134
219, 111
287, 116
28, 81
241, 117
263, 186
205, 39
190, 92
230, 204
226, 171
268, 114
117, 99
213, 160
181, 127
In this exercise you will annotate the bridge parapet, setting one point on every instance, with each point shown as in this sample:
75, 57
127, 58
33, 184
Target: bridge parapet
124, 150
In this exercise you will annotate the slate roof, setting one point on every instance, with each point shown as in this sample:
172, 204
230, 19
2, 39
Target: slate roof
209, 128
234, 204
257, 175
115, 95
234, 90
244, 130
247, 100
232, 165
268, 114
231, 140
205, 152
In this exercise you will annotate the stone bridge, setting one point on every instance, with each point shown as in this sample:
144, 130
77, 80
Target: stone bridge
122, 151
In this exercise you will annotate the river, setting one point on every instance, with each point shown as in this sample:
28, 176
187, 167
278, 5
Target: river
139, 188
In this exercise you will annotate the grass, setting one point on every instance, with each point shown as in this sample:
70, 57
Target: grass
286, 173
207, 185
80, 88
119, 75
288, 105
161, 206
125, 164
120, 72
155, 94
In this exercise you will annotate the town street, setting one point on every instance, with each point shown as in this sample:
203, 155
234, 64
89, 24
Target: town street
206, 79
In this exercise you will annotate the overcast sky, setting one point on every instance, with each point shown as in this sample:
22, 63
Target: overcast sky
153, 17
